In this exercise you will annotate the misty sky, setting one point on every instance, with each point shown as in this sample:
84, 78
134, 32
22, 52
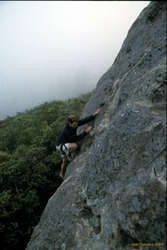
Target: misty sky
58, 49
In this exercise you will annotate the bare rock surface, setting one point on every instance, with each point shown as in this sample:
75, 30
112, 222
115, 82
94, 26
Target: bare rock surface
113, 195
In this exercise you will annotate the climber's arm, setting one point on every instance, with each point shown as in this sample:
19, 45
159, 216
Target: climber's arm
89, 118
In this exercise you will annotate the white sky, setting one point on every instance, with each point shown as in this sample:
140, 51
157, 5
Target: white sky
58, 49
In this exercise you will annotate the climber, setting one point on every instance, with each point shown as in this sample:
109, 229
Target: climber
68, 138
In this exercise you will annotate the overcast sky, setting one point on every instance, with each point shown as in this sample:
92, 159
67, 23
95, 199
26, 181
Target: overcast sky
58, 49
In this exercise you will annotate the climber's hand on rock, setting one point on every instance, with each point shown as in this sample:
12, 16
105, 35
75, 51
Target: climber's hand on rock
96, 112
88, 129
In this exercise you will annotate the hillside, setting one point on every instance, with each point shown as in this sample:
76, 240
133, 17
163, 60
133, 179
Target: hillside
30, 166
113, 195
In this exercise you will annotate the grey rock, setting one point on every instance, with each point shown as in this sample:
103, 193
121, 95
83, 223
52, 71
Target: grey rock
113, 194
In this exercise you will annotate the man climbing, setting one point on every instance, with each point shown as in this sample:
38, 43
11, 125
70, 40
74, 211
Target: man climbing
67, 141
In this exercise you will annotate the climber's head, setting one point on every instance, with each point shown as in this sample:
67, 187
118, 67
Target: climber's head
73, 121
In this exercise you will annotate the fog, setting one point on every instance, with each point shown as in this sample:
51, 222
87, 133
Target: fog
56, 50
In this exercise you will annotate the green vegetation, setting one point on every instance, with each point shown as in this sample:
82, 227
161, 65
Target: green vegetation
29, 167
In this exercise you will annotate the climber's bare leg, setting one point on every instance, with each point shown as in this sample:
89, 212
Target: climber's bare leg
73, 147
63, 167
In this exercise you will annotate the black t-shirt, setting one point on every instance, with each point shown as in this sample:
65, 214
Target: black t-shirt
69, 134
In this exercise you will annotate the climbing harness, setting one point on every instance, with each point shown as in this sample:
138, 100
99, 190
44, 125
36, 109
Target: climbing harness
65, 151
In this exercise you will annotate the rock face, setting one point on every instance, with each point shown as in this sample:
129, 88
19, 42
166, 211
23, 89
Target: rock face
113, 195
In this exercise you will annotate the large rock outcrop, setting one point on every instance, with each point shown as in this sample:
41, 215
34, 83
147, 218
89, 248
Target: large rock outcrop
113, 195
